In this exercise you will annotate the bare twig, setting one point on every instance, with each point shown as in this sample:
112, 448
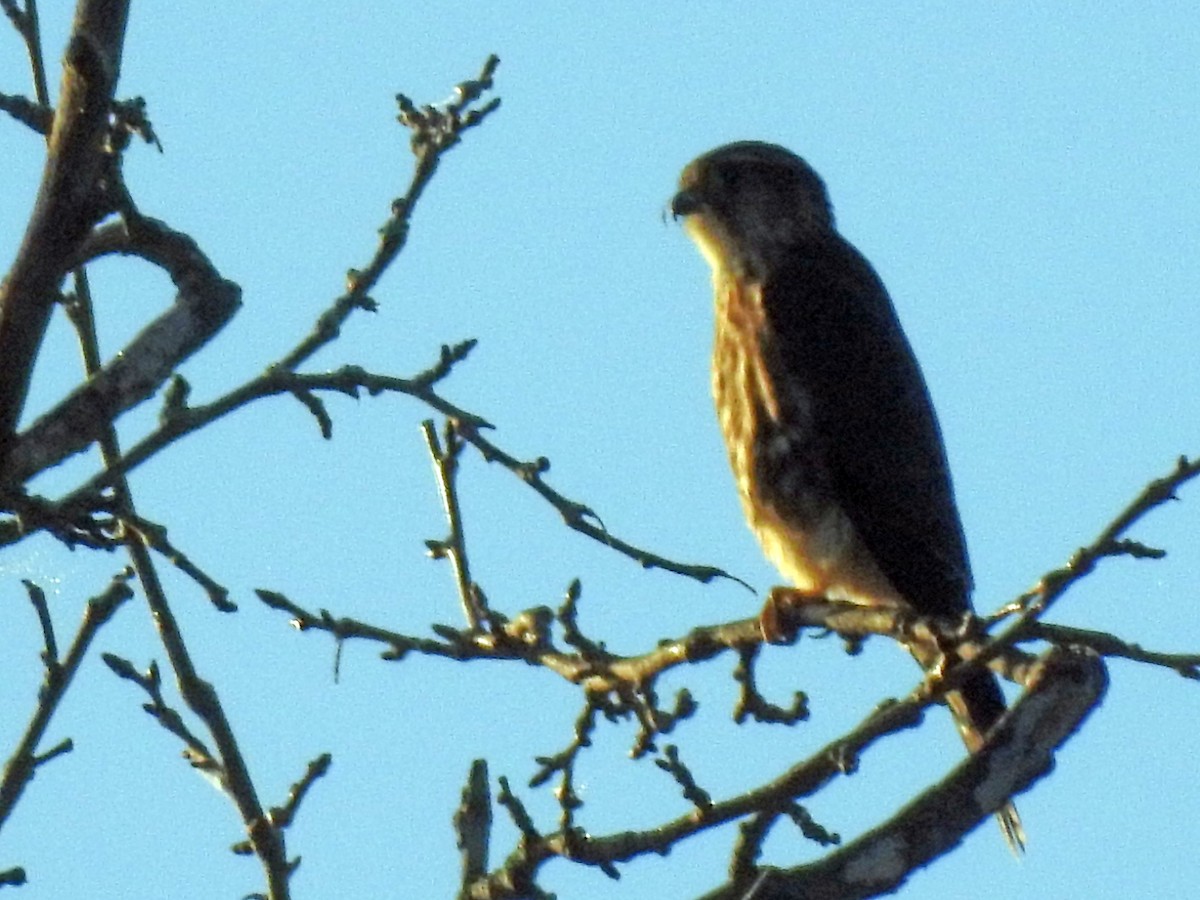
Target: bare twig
671, 763
595, 674
195, 751
26, 23
752, 703
1111, 541
155, 536
38, 598
450, 357
563, 763
20, 767
580, 517
454, 546
282, 816
1108, 645
38, 117
434, 132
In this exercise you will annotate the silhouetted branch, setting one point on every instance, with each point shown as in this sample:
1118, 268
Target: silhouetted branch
155, 537
752, 703
195, 751
434, 131
70, 200
205, 303
1111, 540
473, 825
27, 112
1108, 645
580, 517
1068, 685
281, 817
25, 21
14, 877
20, 767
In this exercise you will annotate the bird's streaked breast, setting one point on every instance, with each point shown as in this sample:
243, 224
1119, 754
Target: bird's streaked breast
774, 450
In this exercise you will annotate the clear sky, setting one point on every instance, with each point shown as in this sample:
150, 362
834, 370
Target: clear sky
1025, 182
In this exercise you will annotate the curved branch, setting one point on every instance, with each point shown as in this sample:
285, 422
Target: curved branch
1067, 686
203, 306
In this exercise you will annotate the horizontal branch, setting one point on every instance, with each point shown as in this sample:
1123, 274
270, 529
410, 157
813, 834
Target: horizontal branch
1186, 664
582, 518
184, 420
27, 112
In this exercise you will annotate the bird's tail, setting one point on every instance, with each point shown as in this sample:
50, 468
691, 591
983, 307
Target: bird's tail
976, 707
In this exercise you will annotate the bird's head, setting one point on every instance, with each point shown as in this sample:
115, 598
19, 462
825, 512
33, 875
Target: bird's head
749, 203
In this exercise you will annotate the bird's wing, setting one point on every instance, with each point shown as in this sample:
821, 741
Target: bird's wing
835, 331
875, 427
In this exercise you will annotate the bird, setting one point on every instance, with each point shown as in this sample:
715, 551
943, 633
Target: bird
833, 440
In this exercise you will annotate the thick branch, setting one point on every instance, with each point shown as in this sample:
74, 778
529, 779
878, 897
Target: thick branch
68, 202
1067, 686
202, 307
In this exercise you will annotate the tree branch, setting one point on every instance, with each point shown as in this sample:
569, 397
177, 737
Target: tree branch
69, 201
1066, 687
21, 765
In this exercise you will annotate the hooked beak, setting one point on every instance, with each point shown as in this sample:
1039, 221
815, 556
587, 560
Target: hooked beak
685, 203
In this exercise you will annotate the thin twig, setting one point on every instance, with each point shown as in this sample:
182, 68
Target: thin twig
580, 517
432, 137
38, 598
26, 23
155, 536
454, 547
195, 751
1032, 605
21, 765
228, 764
27, 112
1108, 645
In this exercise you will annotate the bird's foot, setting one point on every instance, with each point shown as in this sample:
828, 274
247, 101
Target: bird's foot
775, 622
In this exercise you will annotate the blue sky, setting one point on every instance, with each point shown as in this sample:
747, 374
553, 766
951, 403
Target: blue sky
1023, 180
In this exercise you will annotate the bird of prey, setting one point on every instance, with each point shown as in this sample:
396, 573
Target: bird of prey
831, 434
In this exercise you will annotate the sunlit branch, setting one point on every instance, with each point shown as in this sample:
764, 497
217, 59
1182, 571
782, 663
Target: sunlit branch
454, 547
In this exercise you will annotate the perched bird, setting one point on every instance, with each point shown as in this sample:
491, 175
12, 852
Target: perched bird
831, 434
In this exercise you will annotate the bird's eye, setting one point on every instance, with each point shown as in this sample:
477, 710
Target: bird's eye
727, 177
